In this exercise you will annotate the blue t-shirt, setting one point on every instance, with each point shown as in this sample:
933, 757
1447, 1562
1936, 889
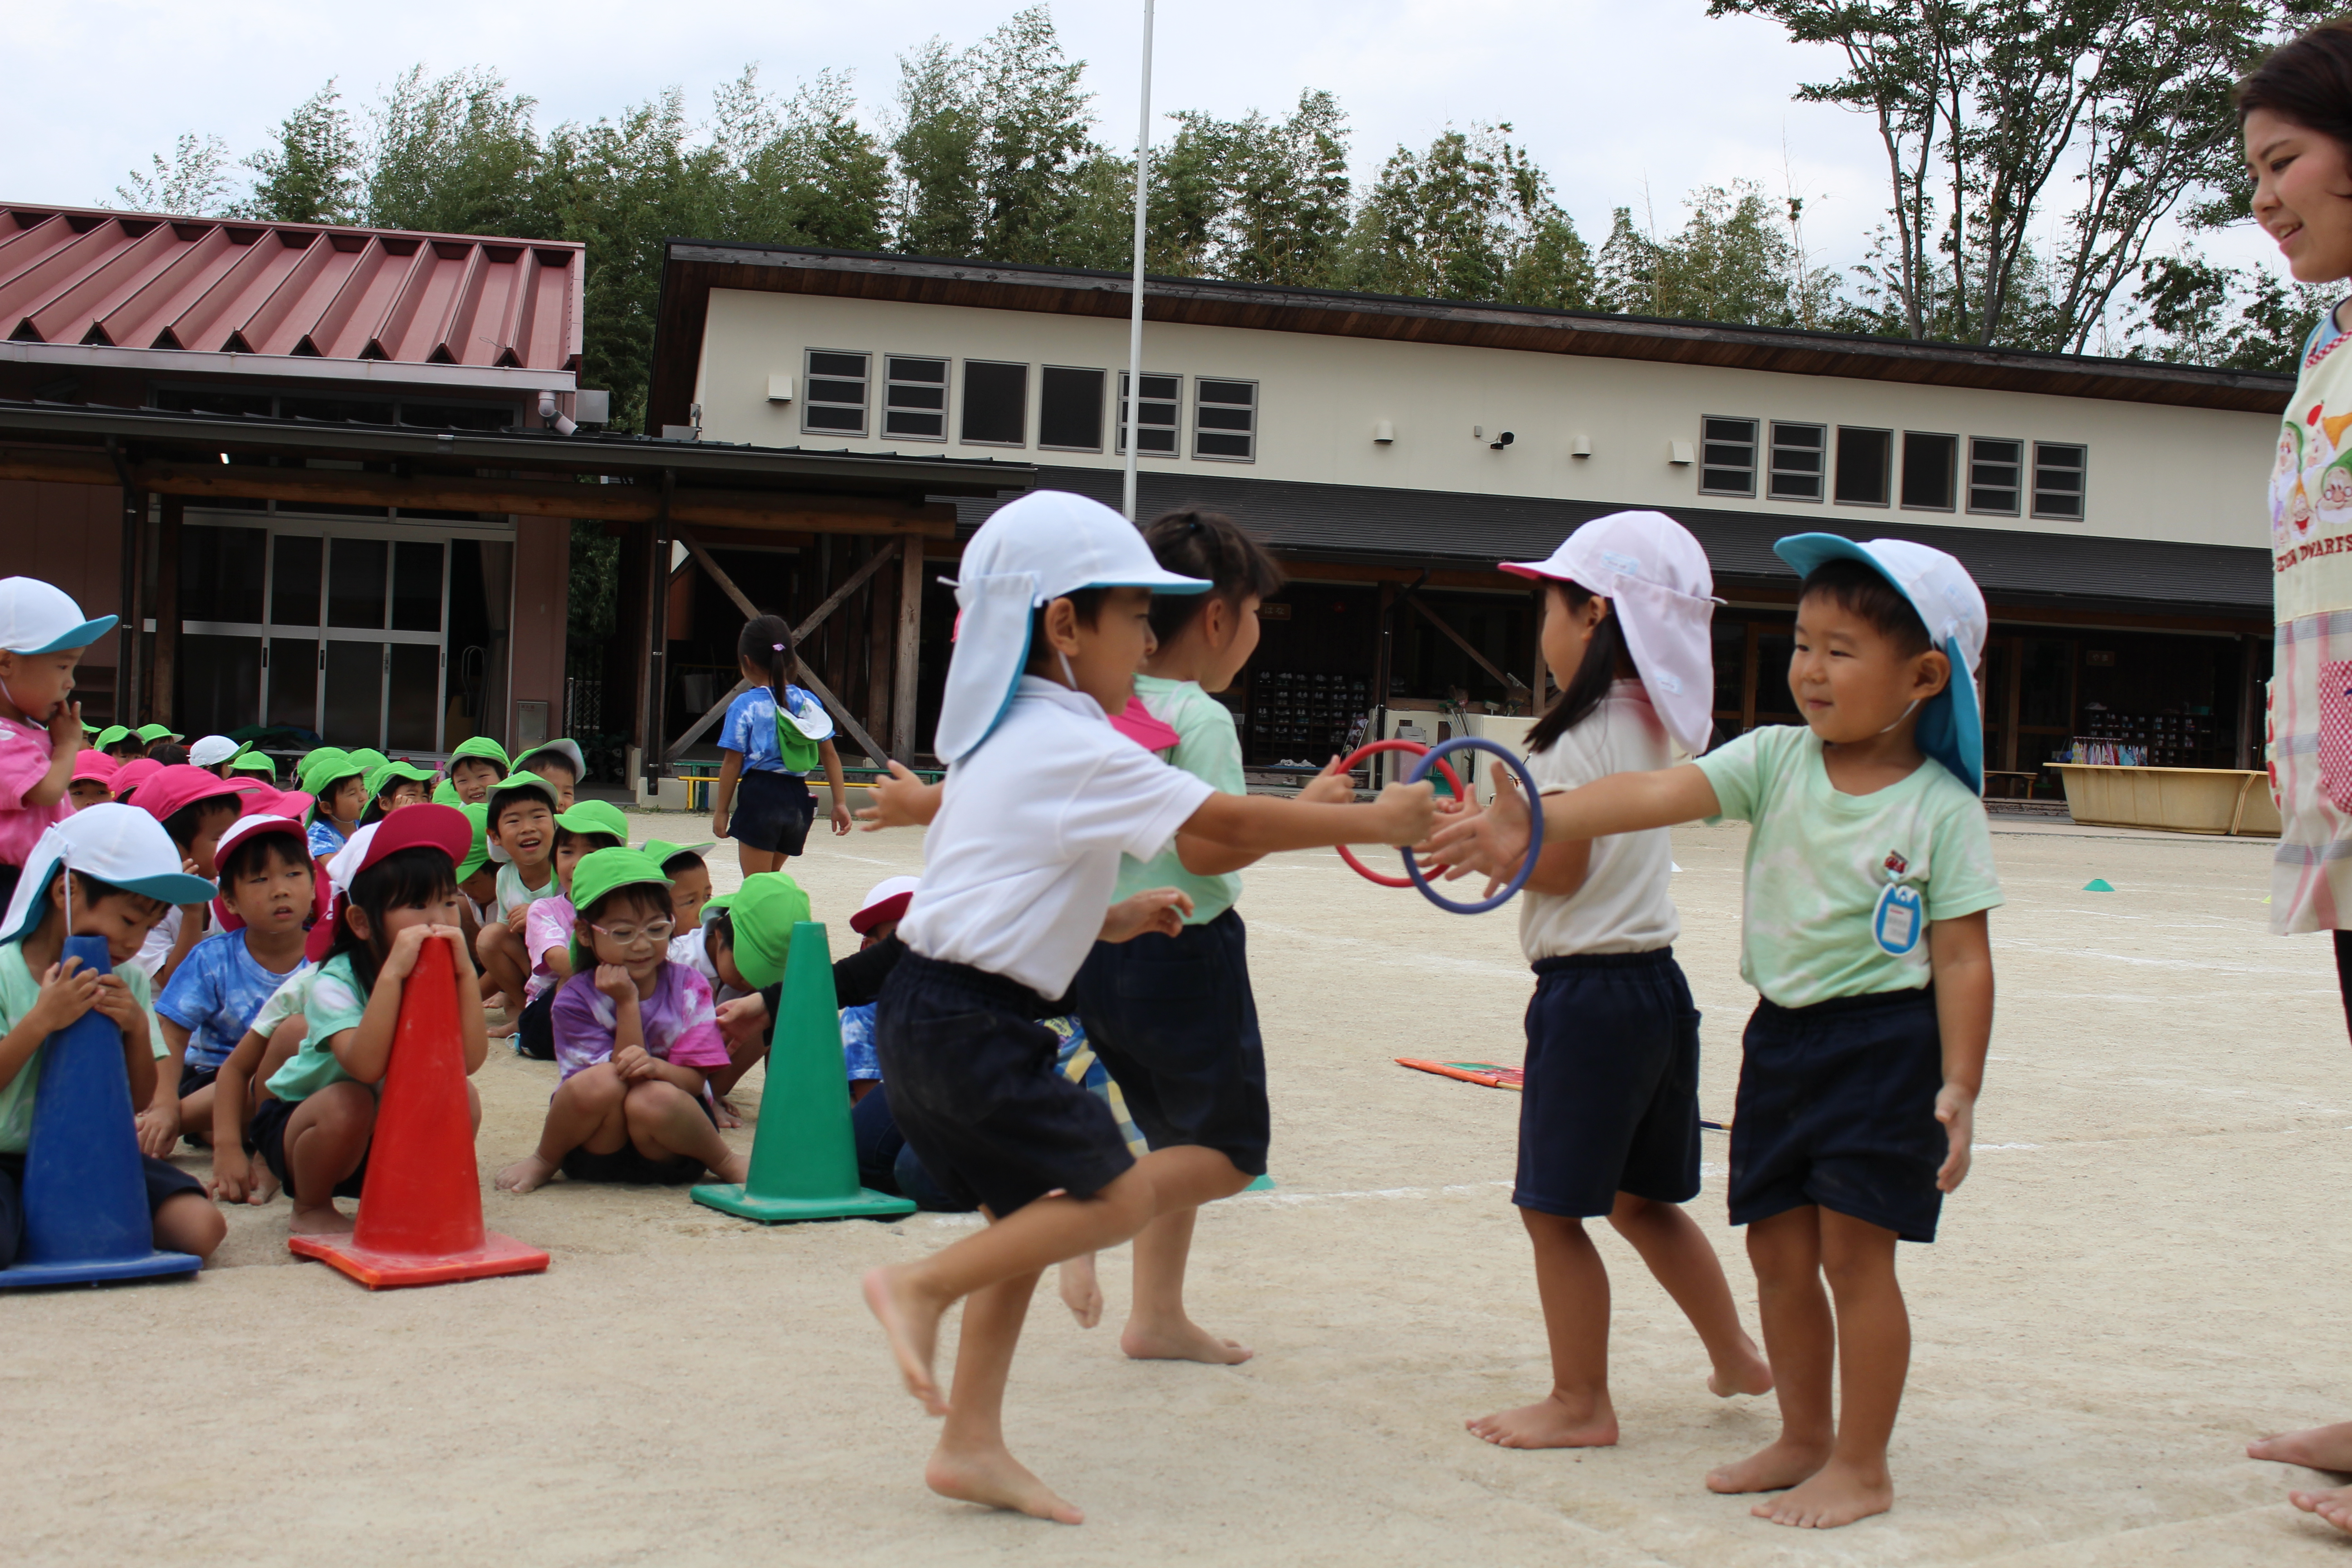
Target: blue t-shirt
751, 728
215, 994
324, 838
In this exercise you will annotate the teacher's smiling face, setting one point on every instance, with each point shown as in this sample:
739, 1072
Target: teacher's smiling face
2302, 195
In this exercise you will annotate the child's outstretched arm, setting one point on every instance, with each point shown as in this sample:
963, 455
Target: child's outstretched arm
1253, 825
831, 756
1329, 788
902, 800
1495, 840
159, 1123
1960, 955
1161, 910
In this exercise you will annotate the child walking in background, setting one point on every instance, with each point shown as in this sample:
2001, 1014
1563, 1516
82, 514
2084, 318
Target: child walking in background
638, 1037
773, 736
314, 1128
591, 826
42, 639
1869, 876
1609, 1121
109, 872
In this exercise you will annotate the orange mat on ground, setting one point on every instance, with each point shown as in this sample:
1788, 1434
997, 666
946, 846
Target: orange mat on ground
1488, 1073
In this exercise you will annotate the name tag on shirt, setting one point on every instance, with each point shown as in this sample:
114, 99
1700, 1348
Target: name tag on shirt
1899, 918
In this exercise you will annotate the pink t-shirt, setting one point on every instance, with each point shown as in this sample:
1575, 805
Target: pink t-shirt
24, 760
681, 1024
548, 924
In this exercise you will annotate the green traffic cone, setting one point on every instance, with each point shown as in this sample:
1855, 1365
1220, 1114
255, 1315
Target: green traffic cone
805, 1158
1264, 1182
2098, 885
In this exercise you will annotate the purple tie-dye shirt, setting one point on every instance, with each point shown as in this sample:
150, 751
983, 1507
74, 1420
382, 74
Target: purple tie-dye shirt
681, 1024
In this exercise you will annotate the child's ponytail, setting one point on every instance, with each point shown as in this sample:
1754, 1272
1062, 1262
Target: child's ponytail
767, 642
1210, 546
1607, 661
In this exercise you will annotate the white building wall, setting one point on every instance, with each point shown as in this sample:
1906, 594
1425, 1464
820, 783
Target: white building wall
2188, 474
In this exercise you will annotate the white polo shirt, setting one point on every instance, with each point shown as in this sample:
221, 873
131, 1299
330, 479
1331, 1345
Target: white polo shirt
1021, 859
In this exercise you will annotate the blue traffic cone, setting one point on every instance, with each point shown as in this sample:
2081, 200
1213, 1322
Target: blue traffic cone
86, 1219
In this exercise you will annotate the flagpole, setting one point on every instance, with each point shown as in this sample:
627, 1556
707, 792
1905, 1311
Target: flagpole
1135, 304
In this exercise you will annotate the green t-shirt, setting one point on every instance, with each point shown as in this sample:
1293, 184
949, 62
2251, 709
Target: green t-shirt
336, 1003
1209, 748
19, 990
1817, 861
513, 893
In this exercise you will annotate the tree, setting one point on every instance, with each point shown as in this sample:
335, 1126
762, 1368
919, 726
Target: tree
800, 170
191, 184
1286, 196
457, 155
2194, 312
1036, 130
312, 175
937, 205
1470, 219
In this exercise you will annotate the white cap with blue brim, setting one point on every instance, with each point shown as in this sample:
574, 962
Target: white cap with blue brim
41, 618
120, 846
1953, 609
1037, 548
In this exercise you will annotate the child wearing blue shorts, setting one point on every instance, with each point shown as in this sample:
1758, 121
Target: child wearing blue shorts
1870, 874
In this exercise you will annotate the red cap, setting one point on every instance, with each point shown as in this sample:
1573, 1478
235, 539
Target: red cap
259, 819
262, 799
96, 768
442, 827
133, 774
174, 788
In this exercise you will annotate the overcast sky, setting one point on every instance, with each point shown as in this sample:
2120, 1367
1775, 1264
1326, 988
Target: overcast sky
1623, 103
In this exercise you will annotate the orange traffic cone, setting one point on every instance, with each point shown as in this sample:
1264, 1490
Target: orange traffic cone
420, 1220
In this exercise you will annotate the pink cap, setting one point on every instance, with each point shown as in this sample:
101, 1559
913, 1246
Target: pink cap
182, 785
260, 821
133, 774
95, 767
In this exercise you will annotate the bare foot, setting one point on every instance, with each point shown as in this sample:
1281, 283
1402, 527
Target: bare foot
728, 1115
1550, 1422
1182, 1339
266, 1187
1751, 1374
734, 1171
1081, 1290
527, 1174
1839, 1494
911, 1324
2335, 1506
2320, 1449
323, 1219
994, 1478
1780, 1464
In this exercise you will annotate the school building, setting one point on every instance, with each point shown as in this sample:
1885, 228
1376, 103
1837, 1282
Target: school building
329, 477
1391, 451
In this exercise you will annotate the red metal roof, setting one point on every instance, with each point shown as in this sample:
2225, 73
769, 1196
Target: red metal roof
131, 280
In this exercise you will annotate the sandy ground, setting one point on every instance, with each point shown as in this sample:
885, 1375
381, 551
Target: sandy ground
2146, 1269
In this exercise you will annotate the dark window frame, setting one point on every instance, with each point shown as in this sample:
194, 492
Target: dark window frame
1886, 467
1201, 431
964, 409
890, 383
809, 404
2082, 472
1819, 475
1175, 428
1753, 442
2015, 488
1102, 385
1951, 472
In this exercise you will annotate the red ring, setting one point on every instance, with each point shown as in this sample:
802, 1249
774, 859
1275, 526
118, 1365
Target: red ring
1413, 747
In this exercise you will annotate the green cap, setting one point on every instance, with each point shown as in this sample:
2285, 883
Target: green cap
446, 794
664, 852
88, 728
324, 766
597, 875
568, 752
595, 816
477, 817
254, 762
151, 733
381, 776
368, 758
112, 734
482, 749
764, 913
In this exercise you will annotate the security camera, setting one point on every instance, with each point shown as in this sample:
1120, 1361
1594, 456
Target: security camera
1504, 439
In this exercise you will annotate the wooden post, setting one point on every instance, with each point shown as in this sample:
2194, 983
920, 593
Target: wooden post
130, 685
1380, 676
1539, 683
167, 608
2014, 714
877, 653
1747, 682
903, 664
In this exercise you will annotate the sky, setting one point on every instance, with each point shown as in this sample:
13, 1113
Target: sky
1626, 104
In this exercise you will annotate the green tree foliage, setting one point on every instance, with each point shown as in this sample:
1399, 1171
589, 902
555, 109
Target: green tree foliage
2197, 314
193, 181
455, 155
1470, 217
1738, 257
312, 174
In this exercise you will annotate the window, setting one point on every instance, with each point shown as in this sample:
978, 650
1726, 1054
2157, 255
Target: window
1928, 465
2058, 479
1155, 415
1993, 473
1727, 456
836, 392
1865, 460
995, 403
1070, 409
1797, 454
1224, 420
914, 398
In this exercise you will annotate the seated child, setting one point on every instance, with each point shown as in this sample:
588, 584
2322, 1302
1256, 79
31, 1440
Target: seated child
266, 885
257, 763
119, 742
92, 781
477, 874
591, 826
476, 765
561, 764
195, 808
127, 872
367, 759
157, 740
42, 639
521, 833
337, 784
857, 979
393, 785
749, 942
636, 1037
689, 881
314, 1127
212, 753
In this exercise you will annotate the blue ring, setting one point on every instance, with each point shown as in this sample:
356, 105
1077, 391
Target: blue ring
1420, 770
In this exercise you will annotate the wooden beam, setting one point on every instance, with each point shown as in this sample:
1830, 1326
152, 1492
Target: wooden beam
877, 653
167, 610
910, 632
1488, 664
843, 716
528, 498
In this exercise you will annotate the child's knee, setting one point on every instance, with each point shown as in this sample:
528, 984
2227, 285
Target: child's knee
189, 1222
653, 1100
599, 1088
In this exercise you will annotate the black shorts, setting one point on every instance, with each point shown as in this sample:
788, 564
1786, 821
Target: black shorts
771, 811
164, 1181
267, 1133
630, 1165
1610, 1101
973, 1088
1174, 1023
535, 1030
1837, 1106
193, 1077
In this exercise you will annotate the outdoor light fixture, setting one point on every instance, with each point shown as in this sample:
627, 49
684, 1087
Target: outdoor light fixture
1579, 446
780, 389
1678, 452
1383, 433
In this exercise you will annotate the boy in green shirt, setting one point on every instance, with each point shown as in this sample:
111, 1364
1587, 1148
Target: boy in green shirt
1869, 877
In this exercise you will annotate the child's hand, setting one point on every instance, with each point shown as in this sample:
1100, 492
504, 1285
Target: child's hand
1956, 1108
516, 917
68, 991
632, 1062
841, 818
1406, 811
902, 800
613, 980
718, 822
115, 1001
233, 1180
461, 952
1492, 842
743, 1020
1329, 788
159, 1127
1161, 910
402, 960
65, 729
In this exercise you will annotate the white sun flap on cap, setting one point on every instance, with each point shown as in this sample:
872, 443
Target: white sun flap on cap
991, 648
346, 862
118, 844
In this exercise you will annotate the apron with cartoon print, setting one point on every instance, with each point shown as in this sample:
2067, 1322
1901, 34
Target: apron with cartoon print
2308, 729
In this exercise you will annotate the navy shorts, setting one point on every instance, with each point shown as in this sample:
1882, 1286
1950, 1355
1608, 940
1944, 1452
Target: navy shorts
267, 1133
193, 1077
164, 1181
534, 1035
1173, 1022
1837, 1106
632, 1165
1611, 1100
771, 811
973, 1085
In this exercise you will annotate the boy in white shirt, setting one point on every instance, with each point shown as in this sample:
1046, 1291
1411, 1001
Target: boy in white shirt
1042, 798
